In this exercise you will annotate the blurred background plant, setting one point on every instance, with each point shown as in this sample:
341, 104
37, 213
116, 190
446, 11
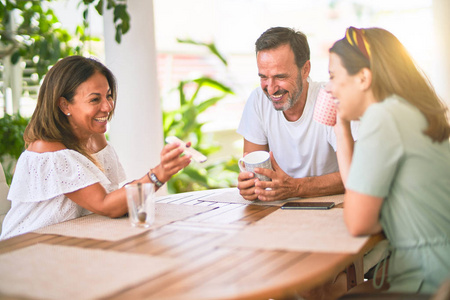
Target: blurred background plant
30, 30
11, 142
183, 123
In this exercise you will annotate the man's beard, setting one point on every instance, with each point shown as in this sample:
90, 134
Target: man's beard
291, 101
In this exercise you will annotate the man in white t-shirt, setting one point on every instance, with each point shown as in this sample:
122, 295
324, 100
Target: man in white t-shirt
278, 117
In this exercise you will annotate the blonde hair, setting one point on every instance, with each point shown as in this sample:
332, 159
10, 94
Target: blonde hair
48, 122
395, 73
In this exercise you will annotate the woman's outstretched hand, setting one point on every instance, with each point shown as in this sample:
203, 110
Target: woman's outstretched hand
171, 162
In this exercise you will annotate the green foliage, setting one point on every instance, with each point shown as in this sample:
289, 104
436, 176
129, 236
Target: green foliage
221, 174
121, 16
12, 144
35, 37
39, 37
210, 46
183, 123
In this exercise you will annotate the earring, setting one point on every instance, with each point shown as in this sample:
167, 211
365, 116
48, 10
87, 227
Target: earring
68, 114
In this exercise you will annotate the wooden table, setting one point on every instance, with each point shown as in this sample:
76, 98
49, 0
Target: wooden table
208, 271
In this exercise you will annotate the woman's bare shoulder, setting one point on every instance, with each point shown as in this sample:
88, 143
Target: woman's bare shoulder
41, 146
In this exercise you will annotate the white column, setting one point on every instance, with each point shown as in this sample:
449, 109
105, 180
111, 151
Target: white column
16, 84
136, 129
12, 76
12, 84
441, 11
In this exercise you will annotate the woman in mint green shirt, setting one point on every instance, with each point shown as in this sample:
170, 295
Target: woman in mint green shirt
397, 175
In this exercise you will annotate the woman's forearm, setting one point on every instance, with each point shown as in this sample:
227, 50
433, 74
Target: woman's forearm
345, 146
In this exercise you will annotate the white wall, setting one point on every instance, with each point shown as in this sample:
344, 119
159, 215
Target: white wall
441, 11
136, 129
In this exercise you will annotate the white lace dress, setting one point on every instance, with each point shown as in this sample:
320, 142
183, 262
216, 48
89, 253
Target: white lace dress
41, 180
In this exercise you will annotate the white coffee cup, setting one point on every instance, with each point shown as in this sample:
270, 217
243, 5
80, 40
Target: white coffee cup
256, 159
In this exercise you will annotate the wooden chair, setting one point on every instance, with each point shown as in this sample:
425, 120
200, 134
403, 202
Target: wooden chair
386, 296
443, 293
5, 205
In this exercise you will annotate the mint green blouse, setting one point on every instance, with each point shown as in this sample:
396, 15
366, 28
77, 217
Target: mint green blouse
394, 160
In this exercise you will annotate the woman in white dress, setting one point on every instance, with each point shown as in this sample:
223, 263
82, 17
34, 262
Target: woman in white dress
68, 169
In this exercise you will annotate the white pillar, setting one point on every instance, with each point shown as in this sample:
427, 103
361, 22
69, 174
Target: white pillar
12, 85
12, 76
441, 11
136, 128
16, 85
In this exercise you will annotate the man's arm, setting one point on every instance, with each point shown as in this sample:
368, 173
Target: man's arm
251, 147
283, 186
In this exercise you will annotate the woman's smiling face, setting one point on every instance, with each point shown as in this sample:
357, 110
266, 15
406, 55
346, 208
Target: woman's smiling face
347, 89
91, 106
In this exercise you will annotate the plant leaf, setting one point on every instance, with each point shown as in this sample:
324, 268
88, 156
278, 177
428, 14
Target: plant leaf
211, 46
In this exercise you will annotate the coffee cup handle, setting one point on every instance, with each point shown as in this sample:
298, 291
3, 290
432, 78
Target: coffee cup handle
241, 165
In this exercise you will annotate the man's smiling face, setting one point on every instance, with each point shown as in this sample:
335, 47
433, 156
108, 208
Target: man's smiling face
280, 78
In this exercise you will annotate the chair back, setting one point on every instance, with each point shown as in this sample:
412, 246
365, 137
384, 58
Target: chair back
5, 204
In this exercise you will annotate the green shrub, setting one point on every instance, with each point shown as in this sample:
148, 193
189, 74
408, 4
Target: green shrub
11, 141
